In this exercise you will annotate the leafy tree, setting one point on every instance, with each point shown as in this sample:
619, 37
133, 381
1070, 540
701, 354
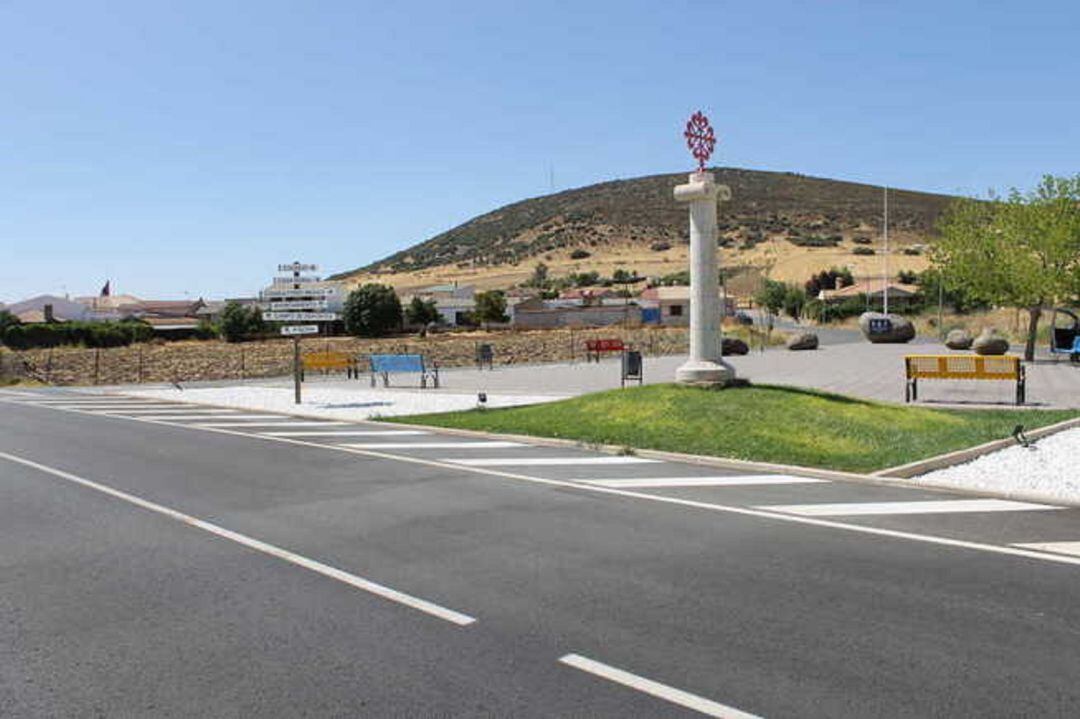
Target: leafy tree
372, 310
539, 276
1021, 251
831, 279
237, 322
491, 307
421, 311
6, 320
771, 296
794, 301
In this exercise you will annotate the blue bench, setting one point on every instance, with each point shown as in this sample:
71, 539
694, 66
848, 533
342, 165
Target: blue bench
411, 363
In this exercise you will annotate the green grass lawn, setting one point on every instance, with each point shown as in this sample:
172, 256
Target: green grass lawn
762, 423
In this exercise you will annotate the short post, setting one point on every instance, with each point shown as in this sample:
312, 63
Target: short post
296, 367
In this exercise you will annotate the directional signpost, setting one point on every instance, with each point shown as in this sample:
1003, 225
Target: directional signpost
296, 298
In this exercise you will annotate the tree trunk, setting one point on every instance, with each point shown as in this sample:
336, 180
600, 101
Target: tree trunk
1033, 330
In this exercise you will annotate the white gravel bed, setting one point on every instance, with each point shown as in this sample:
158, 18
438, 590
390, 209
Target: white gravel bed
1049, 469
351, 404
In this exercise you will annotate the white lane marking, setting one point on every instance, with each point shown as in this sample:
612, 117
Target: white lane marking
757, 513
174, 408
177, 418
737, 481
1072, 548
17, 393
348, 433
241, 425
547, 461
656, 689
318, 567
433, 445
86, 407
947, 506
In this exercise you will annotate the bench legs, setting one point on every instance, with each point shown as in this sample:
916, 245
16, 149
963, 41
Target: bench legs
911, 391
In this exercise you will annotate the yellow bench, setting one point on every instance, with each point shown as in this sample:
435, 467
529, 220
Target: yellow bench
1003, 367
327, 361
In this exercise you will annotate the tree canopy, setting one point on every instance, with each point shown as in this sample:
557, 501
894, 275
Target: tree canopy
372, 310
1020, 251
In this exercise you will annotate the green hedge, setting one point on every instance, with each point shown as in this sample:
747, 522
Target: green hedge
89, 334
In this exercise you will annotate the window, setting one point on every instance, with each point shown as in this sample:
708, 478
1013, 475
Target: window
675, 311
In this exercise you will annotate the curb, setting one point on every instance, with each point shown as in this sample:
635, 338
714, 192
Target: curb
960, 456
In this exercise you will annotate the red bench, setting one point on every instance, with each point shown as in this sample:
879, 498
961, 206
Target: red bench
593, 348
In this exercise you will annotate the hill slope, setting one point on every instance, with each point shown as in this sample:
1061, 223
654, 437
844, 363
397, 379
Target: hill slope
776, 222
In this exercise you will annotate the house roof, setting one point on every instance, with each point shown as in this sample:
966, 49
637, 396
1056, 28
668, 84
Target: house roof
164, 308
172, 323
872, 289
111, 302
63, 309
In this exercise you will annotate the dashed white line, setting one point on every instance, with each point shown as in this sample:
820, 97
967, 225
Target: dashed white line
749, 480
946, 506
656, 689
434, 445
547, 461
326, 570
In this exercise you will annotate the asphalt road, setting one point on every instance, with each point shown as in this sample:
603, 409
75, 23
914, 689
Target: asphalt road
161, 567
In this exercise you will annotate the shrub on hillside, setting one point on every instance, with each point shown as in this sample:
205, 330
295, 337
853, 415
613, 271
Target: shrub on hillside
660, 246
861, 240
580, 254
863, 251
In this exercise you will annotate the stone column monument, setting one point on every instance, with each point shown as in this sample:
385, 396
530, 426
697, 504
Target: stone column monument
705, 366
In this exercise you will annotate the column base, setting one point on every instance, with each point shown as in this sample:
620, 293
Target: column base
705, 373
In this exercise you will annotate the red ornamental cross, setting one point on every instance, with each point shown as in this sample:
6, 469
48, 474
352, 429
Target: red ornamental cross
700, 138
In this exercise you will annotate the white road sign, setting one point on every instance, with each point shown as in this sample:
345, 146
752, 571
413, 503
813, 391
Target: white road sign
291, 330
300, 316
288, 305
296, 280
303, 292
297, 267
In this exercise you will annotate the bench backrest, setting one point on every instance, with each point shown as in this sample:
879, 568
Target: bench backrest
611, 345
962, 367
397, 363
327, 360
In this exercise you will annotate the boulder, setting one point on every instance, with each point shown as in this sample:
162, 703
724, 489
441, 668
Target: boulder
886, 329
733, 346
803, 341
959, 340
989, 342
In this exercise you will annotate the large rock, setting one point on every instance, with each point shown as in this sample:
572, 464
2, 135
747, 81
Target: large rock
959, 340
989, 342
803, 341
886, 329
733, 346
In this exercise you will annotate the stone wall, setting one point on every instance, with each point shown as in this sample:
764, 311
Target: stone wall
214, 360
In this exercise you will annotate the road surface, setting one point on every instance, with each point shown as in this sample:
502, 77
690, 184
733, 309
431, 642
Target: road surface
160, 559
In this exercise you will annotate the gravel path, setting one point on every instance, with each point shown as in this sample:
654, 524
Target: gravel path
1049, 468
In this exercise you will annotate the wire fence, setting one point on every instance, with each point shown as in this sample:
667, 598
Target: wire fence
190, 361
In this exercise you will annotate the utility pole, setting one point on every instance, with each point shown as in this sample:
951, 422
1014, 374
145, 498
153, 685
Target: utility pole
885, 284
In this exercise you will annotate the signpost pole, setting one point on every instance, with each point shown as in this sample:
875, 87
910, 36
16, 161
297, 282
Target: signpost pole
296, 367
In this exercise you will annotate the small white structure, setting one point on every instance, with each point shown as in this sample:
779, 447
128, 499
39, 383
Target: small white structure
705, 365
455, 304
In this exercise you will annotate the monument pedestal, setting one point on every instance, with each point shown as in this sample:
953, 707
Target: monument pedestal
704, 367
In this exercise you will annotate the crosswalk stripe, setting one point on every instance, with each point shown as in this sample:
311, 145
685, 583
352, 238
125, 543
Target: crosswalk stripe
748, 480
1072, 548
178, 409
194, 416
348, 433
432, 445
547, 461
126, 405
245, 425
947, 506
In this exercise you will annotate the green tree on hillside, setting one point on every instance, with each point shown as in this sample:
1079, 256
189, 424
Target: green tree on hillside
1021, 251
372, 310
771, 296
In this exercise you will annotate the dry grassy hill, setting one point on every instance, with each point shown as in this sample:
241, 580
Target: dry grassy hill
783, 224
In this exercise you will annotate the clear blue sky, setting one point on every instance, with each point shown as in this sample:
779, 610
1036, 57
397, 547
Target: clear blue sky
188, 147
